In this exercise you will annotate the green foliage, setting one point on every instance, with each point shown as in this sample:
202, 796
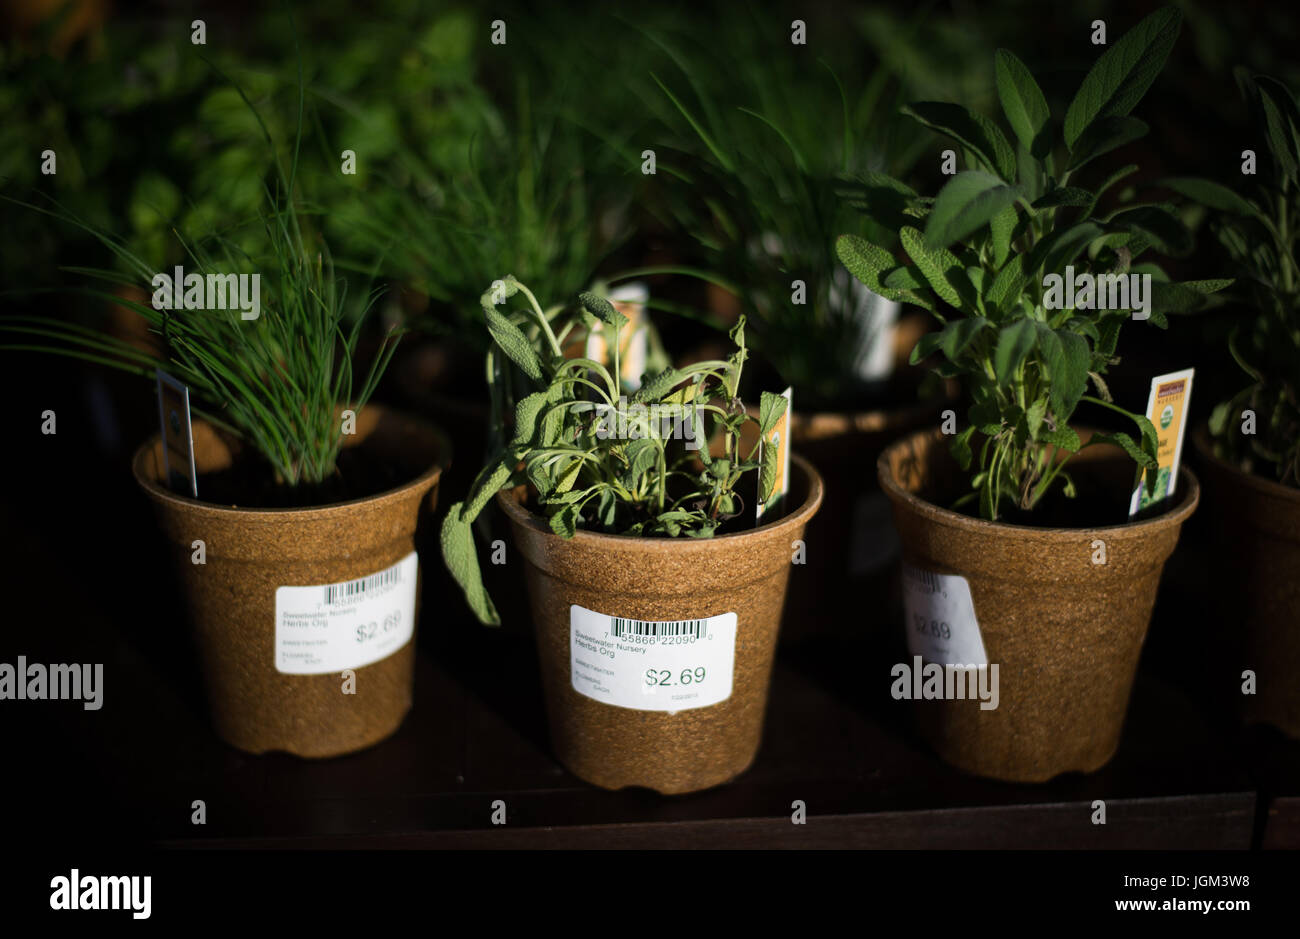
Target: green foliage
978, 256
278, 380
1258, 229
596, 458
765, 146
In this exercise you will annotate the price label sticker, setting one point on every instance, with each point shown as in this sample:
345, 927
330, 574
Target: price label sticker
330, 627
652, 665
941, 623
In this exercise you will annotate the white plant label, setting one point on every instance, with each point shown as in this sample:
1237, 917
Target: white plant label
330, 627
941, 623
647, 665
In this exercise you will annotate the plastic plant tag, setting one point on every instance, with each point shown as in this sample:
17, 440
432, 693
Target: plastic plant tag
652, 665
177, 435
1167, 408
877, 321
941, 623
630, 300
330, 627
778, 437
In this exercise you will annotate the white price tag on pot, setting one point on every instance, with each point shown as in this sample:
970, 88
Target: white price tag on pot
646, 665
941, 623
330, 627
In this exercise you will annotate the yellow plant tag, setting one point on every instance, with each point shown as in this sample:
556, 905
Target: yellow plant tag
779, 439
630, 300
1167, 409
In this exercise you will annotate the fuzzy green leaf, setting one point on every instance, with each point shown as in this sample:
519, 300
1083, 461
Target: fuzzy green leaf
1164, 229
770, 409
1211, 194
602, 309
1104, 135
526, 412
1119, 79
657, 387
461, 558
1023, 103
565, 521
1063, 438
941, 269
1002, 225
957, 335
1063, 196
972, 130
1014, 343
1008, 283
513, 343
966, 203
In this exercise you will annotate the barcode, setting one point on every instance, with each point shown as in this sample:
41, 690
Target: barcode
362, 585
636, 627
928, 579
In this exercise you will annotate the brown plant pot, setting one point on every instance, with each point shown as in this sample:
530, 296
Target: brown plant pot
1257, 573
1065, 632
250, 553
661, 579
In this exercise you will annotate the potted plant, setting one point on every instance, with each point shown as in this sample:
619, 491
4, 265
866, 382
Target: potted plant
655, 597
294, 530
768, 149
1251, 452
1049, 584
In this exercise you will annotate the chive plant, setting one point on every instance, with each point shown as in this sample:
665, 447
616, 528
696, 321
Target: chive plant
764, 143
276, 381
598, 458
989, 256
518, 191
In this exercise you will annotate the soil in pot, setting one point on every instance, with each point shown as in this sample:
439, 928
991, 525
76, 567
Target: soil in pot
1256, 572
656, 653
288, 662
1062, 612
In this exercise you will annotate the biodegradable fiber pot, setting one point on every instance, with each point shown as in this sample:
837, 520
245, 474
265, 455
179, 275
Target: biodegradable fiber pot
1065, 632
658, 580
1257, 522
251, 553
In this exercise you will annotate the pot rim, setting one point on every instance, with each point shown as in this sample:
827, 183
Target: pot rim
1205, 450
307, 512
516, 512
1189, 495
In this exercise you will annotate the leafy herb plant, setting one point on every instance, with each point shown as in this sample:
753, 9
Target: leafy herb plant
276, 381
597, 458
982, 254
1260, 230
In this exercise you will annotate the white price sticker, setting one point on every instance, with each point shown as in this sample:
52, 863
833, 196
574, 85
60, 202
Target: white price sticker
330, 627
941, 623
648, 665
